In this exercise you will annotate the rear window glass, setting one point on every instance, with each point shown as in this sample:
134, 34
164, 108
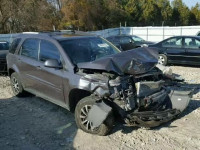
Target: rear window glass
125, 40
30, 48
14, 45
4, 45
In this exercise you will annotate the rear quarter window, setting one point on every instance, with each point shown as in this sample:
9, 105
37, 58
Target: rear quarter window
14, 45
30, 48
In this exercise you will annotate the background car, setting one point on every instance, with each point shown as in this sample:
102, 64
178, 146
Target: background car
127, 42
179, 50
4, 46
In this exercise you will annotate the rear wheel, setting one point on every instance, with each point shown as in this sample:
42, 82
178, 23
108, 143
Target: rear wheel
17, 87
162, 59
81, 112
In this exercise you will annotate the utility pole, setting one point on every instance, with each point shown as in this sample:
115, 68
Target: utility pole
120, 28
163, 23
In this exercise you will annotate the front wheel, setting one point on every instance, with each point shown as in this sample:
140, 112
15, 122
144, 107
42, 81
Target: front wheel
81, 112
162, 59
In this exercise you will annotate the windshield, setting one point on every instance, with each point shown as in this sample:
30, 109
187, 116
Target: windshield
137, 39
87, 49
4, 46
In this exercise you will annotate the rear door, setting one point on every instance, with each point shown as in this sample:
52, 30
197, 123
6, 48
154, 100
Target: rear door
27, 62
50, 79
192, 47
174, 49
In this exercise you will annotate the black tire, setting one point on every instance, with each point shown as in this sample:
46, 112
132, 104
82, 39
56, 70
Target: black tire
16, 85
162, 59
103, 129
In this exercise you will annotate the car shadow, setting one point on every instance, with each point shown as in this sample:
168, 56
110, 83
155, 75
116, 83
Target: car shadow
3, 74
33, 123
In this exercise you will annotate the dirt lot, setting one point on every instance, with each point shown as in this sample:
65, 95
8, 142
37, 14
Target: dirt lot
32, 123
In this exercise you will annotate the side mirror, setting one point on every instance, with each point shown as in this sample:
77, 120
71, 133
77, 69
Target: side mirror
52, 63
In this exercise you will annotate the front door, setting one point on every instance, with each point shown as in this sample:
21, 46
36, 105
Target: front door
51, 79
127, 43
192, 47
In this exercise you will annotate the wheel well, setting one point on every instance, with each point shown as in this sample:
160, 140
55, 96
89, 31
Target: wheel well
75, 96
10, 71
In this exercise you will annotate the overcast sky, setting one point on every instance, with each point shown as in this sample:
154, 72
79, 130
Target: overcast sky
190, 3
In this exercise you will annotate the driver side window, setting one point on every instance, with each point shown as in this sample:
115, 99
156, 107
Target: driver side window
48, 51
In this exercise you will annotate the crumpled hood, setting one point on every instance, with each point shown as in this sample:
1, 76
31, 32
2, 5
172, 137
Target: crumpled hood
137, 61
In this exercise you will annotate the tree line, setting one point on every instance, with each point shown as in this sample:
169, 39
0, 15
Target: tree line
44, 15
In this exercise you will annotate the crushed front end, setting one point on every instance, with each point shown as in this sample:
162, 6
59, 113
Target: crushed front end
131, 84
145, 100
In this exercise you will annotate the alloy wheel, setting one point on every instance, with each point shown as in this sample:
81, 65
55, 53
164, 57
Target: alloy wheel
161, 60
83, 116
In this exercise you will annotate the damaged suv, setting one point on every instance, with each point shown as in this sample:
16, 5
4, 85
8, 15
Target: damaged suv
90, 76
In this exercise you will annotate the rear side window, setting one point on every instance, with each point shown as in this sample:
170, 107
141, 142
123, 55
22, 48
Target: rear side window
125, 40
14, 45
48, 51
110, 39
173, 42
116, 40
4, 45
30, 48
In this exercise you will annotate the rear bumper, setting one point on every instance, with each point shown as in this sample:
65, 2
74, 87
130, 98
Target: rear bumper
151, 119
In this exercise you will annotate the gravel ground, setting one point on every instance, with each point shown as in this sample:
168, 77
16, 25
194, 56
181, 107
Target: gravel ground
32, 123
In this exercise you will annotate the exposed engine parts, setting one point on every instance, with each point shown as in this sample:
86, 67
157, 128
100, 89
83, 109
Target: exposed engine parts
141, 100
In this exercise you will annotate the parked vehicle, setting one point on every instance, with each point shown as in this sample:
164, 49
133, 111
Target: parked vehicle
198, 34
4, 46
179, 50
127, 42
91, 76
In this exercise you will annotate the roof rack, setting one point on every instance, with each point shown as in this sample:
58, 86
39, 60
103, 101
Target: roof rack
30, 32
49, 32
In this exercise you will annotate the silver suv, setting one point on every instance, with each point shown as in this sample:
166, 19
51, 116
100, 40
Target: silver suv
91, 76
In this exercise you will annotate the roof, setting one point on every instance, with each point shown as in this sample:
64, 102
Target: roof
189, 36
58, 35
123, 35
